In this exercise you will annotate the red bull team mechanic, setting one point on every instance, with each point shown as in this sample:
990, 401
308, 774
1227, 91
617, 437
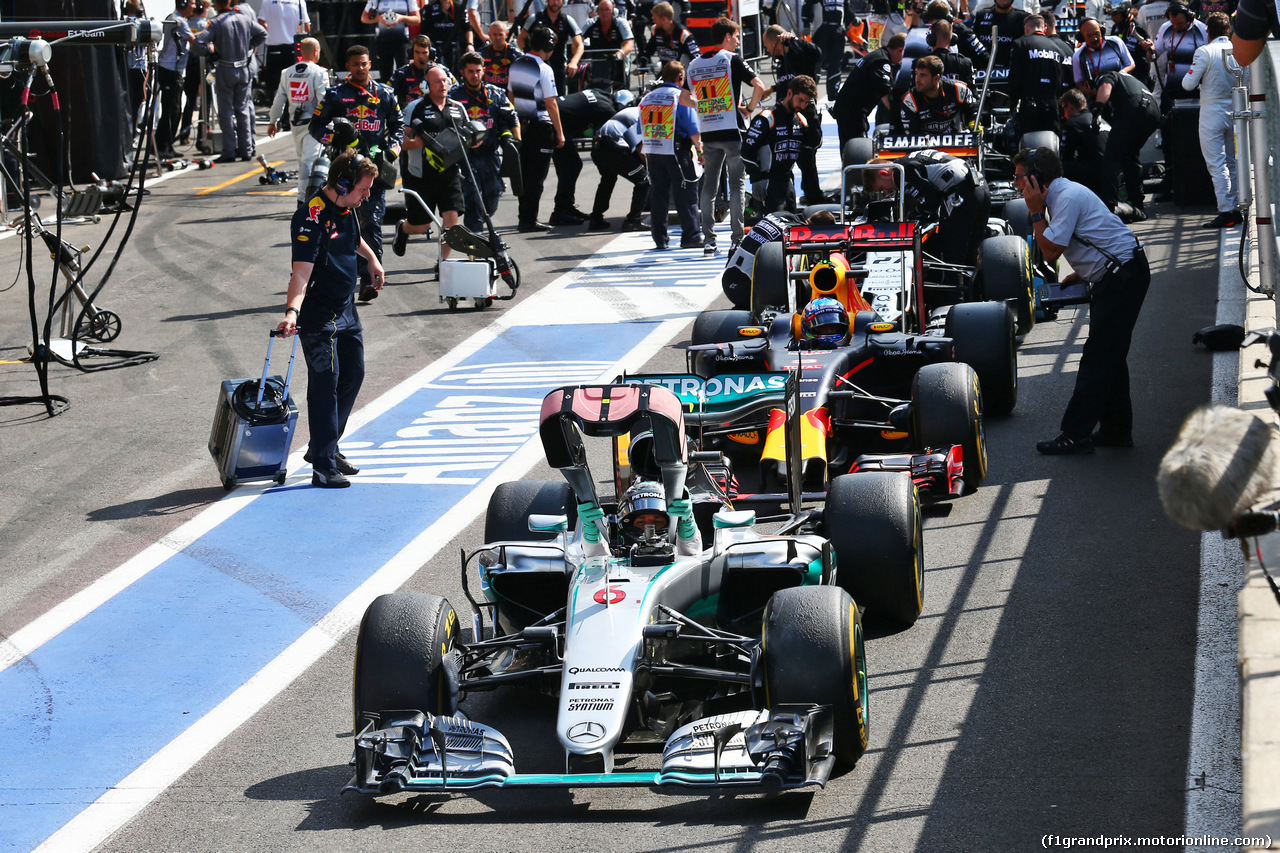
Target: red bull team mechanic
371, 109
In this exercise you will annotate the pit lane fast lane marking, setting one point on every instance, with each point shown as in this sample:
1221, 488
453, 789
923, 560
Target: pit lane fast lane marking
208, 587
257, 170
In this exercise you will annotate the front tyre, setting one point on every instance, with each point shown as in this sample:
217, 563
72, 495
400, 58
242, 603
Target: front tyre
946, 410
405, 657
814, 655
984, 337
873, 521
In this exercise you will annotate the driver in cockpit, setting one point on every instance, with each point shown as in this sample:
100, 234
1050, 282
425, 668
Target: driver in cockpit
643, 519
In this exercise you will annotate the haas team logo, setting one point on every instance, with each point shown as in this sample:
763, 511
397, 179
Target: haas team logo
299, 91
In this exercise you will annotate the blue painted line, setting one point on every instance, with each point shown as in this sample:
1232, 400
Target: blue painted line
91, 705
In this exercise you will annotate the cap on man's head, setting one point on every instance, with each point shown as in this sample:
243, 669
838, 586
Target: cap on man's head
1114, 8
1175, 9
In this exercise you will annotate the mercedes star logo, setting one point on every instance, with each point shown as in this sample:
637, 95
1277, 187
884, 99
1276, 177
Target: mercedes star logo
586, 732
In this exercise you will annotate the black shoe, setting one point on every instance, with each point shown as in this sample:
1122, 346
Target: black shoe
571, 213
636, 224
401, 241
661, 245
696, 243
1226, 219
598, 223
331, 480
562, 218
1111, 439
168, 155
368, 293
225, 159
246, 157
344, 467
1065, 445
530, 227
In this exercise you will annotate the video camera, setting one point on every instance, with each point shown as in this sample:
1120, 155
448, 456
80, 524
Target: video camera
445, 149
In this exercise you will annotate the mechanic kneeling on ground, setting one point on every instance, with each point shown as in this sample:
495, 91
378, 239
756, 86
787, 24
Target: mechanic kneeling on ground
320, 308
1071, 222
944, 189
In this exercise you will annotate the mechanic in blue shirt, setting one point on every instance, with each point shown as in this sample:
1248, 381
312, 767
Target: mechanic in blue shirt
320, 308
669, 127
371, 110
1073, 223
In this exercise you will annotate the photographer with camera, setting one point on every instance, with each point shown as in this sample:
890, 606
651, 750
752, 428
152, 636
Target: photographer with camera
439, 183
369, 109
1071, 222
487, 104
393, 17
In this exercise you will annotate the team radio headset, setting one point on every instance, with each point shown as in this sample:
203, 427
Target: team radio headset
344, 184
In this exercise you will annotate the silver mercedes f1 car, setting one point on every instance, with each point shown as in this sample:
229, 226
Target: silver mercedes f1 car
658, 617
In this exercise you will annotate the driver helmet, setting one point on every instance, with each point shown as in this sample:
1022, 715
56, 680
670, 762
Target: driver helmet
825, 322
643, 504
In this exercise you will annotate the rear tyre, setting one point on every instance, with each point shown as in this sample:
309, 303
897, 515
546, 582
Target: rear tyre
946, 409
405, 657
1004, 267
873, 521
983, 333
769, 278
856, 152
814, 655
715, 327
1017, 214
507, 519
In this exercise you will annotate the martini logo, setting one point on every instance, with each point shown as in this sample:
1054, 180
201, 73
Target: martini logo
610, 595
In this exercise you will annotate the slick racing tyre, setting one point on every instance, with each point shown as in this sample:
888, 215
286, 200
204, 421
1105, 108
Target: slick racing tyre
1018, 217
405, 657
769, 278
946, 409
813, 655
983, 334
715, 327
856, 152
507, 519
1040, 139
873, 521
1004, 268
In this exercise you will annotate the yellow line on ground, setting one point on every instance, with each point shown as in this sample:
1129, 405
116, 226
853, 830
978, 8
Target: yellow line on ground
257, 170
273, 192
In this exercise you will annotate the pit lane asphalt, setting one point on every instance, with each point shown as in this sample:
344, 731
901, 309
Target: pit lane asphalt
1046, 689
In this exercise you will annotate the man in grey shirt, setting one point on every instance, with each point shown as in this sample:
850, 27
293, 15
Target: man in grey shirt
1103, 251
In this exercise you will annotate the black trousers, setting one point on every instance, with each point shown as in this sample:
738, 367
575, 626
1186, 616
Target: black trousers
962, 230
810, 183
830, 39
538, 143
170, 107
613, 162
568, 163
335, 372
1101, 398
1129, 132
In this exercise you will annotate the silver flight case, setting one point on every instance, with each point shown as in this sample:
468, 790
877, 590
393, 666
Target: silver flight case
253, 425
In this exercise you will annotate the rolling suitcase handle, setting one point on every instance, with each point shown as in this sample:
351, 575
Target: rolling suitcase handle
288, 376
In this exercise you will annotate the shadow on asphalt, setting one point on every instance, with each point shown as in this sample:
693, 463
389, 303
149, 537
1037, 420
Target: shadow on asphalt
173, 503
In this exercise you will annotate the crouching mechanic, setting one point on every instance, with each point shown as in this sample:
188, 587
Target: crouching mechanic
944, 189
320, 308
775, 141
302, 88
440, 188
642, 514
485, 103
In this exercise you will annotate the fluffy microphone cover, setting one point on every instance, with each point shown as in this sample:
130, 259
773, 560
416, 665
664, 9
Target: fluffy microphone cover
1222, 463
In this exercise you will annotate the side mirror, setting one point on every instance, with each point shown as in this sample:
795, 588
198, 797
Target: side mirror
548, 523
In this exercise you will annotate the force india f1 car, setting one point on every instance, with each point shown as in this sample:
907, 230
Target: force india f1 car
894, 395
743, 660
